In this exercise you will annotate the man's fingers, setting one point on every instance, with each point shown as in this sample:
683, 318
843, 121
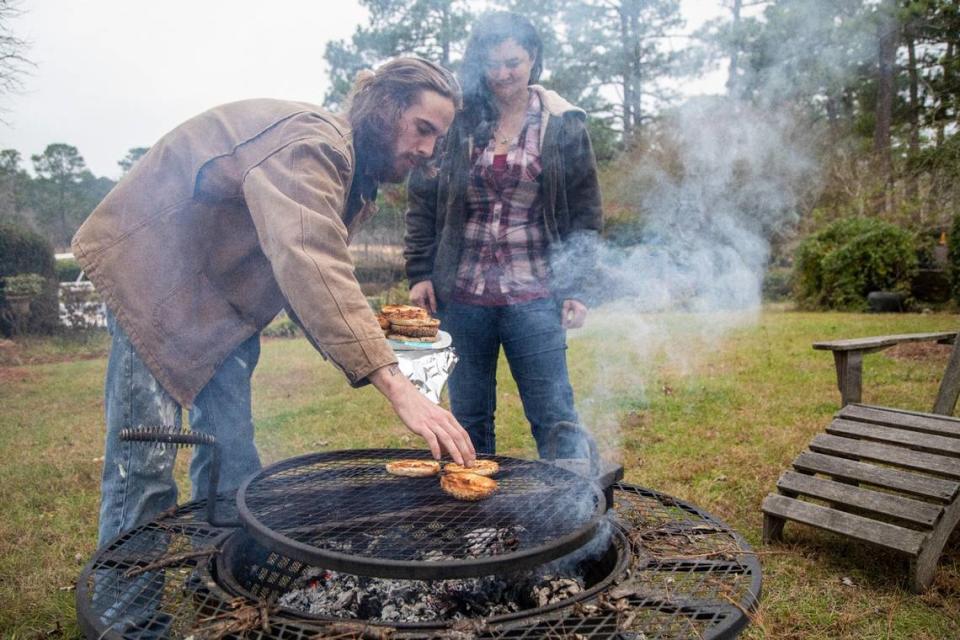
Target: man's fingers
460, 443
431, 438
431, 300
451, 447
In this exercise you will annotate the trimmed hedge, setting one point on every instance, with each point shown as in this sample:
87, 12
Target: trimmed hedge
68, 270
23, 251
837, 267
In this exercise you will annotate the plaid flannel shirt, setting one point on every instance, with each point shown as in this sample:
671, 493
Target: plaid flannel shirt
504, 252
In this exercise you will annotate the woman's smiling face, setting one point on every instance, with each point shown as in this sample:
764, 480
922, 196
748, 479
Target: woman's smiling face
507, 69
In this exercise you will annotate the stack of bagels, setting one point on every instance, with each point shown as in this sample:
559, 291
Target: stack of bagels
408, 323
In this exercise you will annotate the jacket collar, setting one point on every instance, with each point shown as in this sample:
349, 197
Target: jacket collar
554, 106
553, 103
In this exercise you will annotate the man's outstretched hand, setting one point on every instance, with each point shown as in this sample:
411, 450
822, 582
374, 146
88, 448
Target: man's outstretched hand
431, 422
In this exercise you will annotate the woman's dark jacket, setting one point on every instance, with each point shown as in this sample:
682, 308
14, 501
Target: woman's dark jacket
572, 209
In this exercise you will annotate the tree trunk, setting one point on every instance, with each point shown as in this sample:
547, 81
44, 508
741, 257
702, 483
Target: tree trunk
733, 70
886, 60
62, 202
914, 110
627, 84
636, 68
940, 113
445, 35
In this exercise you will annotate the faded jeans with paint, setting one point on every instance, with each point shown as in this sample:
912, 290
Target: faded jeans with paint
138, 479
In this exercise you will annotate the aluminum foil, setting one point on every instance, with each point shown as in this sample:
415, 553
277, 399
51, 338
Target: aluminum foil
428, 369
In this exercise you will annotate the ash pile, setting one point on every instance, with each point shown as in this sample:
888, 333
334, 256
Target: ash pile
328, 593
333, 594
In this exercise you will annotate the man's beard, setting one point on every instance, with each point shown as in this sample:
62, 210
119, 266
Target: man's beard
375, 156
377, 159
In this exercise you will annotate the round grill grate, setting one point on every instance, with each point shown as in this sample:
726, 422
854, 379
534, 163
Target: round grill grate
343, 511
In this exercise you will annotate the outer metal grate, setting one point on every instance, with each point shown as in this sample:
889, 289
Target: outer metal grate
342, 510
691, 577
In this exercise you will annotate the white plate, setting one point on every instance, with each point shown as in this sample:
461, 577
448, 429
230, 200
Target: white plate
443, 341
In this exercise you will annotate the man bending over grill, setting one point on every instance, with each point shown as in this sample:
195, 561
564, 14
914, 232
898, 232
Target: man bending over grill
232, 216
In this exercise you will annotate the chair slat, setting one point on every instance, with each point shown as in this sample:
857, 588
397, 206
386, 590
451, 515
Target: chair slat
884, 534
881, 433
912, 420
887, 453
916, 484
907, 509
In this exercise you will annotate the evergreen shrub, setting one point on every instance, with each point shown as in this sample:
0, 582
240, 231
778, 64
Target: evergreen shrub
838, 266
776, 284
953, 248
22, 251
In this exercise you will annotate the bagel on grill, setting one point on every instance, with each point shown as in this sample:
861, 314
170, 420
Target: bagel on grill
413, 468
480, 467
467, 486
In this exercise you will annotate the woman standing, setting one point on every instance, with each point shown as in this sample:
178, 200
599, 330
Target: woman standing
495, 241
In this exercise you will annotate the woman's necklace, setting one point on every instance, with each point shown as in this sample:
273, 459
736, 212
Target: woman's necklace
510, 123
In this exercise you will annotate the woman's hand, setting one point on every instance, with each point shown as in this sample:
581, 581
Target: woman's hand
431, 422
422, 295
573, 314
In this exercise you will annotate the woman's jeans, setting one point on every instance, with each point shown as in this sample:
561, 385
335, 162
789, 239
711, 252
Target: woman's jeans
138, 477
534, 342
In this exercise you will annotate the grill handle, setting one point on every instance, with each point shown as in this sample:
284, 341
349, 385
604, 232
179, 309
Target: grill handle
163, 435
578, 432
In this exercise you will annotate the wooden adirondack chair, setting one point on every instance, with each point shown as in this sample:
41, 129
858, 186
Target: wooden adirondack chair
882, 475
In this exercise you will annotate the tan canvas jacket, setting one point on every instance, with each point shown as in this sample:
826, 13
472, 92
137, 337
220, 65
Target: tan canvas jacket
227, 218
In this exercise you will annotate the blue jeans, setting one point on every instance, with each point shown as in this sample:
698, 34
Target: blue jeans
535, 344
138, 479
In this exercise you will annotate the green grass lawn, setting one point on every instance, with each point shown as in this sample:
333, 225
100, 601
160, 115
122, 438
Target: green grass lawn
708, 409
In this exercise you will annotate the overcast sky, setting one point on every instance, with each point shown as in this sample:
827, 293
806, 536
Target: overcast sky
116, 74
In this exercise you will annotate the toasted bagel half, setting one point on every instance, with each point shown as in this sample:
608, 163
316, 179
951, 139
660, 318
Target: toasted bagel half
400, 311
467, 486
412, 331
413, 468
400, 338
415, 322
480, 467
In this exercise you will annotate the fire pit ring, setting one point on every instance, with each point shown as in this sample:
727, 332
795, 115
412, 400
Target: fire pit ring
689, 577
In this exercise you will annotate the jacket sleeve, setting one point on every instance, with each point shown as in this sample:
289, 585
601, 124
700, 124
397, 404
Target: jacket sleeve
420, 239
575, 264
581, 179
295, 197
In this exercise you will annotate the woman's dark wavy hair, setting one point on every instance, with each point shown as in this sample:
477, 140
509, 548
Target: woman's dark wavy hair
480, 111
378, 99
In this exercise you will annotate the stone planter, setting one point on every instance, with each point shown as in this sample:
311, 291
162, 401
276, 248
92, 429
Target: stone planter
20, 304
886, 301
18, 311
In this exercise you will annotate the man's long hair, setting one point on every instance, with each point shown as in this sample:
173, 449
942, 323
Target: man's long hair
480, 113
380, 97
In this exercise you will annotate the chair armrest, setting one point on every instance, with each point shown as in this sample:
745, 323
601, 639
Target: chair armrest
868, 345
848, 357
